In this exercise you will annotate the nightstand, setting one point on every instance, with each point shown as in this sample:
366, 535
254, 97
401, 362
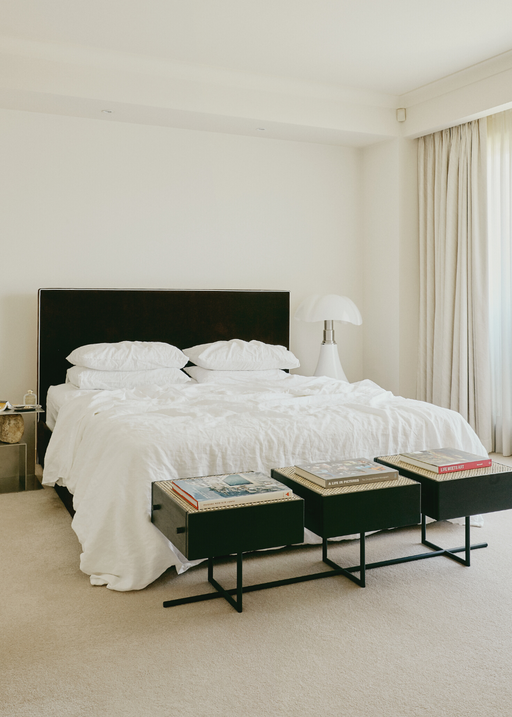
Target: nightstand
18, 460
13, 467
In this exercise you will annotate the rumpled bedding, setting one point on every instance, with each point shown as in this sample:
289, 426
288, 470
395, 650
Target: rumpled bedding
108, 447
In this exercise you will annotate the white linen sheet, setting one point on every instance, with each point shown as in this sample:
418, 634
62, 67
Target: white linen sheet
58, 396
109, 446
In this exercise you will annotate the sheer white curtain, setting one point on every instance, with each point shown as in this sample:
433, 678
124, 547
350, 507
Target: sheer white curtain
454, 361
499, 155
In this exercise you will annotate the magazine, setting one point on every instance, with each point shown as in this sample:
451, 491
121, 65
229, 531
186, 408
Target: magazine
445, 460
346, 472
230, 489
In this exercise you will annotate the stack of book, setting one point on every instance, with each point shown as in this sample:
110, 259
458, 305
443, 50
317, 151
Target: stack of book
352, 471
445, 460
230, 489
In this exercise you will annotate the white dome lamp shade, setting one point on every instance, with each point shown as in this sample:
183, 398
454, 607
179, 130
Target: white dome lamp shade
328, 309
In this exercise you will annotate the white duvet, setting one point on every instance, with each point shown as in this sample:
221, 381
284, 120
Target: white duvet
109, 446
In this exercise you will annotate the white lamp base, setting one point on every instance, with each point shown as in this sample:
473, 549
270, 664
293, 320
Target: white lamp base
329, 363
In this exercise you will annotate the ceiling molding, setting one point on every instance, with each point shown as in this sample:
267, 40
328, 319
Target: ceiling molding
81, 81
262, 129
78, 81
468, 76
96, 57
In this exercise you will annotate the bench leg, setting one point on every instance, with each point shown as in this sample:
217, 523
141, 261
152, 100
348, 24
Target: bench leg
236, 603
450, 552
347, 572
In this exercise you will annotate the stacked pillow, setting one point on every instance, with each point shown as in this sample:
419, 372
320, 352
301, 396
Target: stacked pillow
238, 360
206, 375
126, 364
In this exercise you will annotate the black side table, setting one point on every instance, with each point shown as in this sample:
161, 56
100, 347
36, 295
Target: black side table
226, 531
355, 509
458, 494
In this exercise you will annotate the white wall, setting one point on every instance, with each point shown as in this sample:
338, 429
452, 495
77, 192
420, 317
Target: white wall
87, 203
381, 264
409, 266
391, 272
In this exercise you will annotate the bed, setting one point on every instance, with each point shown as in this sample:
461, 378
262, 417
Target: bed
106, 447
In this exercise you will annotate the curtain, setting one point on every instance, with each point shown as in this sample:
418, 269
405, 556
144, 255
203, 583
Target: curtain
454, 354
499, 157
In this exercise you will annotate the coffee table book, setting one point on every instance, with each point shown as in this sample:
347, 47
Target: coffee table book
445, 460
203, 492
352, 471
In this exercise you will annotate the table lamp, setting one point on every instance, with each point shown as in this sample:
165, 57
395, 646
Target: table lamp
328, 309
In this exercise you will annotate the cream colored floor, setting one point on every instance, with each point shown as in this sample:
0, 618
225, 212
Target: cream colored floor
507, 460
426, 638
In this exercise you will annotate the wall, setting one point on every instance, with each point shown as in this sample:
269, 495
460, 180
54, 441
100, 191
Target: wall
409, 266
391, 273
381, 264
87, 203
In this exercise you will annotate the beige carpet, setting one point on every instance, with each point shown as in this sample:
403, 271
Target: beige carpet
424, 638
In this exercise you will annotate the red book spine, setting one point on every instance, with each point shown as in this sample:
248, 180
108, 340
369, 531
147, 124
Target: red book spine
193, 502
485, 463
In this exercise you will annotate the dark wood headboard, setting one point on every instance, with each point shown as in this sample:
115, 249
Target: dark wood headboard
68, 318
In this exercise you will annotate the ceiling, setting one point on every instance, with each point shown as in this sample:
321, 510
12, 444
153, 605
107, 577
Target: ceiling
392, 47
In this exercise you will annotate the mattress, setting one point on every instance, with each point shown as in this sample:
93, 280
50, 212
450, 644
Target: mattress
57, 396
108, 447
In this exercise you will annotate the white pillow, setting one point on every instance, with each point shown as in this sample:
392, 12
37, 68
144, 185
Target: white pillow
82, 377
128, 356
238, 355
206, 375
